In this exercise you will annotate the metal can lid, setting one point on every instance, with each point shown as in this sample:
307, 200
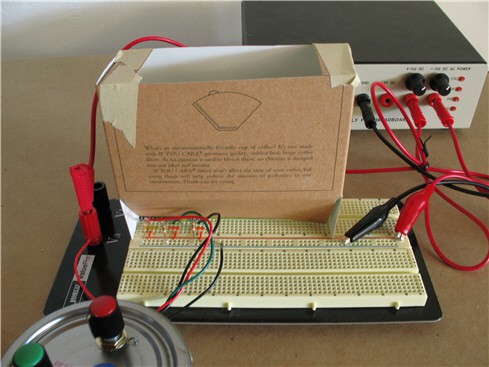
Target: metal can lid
65, 335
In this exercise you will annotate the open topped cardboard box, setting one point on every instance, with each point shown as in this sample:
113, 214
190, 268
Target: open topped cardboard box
247, 131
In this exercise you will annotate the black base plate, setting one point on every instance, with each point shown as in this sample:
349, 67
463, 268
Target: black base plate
107, 262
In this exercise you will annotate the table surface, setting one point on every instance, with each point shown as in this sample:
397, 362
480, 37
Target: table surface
45, 119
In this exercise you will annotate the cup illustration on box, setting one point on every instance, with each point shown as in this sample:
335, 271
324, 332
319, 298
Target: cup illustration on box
227, 111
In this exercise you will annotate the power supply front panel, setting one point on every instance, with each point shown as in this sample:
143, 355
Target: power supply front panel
466, 82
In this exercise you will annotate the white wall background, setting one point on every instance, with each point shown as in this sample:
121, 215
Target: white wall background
35, 28
38, 28
471, 18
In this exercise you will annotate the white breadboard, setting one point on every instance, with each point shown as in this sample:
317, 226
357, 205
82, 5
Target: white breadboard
276, 263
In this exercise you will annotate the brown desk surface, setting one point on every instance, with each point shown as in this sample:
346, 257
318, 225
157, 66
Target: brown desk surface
45, 116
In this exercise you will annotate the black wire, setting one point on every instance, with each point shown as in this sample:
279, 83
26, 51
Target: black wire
378, 215
447, 183
218, 220
196, 252
194, 255
396, 200
214, 281
401, 155
424, 172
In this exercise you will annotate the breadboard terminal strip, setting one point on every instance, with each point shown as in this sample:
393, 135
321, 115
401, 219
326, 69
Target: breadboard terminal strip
276, 263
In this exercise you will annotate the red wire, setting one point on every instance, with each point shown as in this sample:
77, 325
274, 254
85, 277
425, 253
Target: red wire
152, 38
199, 257
464, 174
417, 135
377, 170
386, 124
93, 127
460, 157
440, 253
464, 211
458, 150
77, 274
458, 172
168, 303
420, 152
93, 116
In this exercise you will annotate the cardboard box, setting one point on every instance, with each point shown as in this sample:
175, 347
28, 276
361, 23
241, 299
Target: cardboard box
248, 131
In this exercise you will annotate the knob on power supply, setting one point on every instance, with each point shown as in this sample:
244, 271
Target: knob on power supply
441, 83
415, 83
31, 355
106, 323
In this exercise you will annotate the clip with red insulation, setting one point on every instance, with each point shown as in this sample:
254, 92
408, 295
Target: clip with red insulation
83, 180
412, 103
413, 208
434, 100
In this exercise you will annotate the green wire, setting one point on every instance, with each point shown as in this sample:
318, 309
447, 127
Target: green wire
211, 256
176, 290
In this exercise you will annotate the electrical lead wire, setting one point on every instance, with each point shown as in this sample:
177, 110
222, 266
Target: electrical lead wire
95, 100
77, 273
420, 164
